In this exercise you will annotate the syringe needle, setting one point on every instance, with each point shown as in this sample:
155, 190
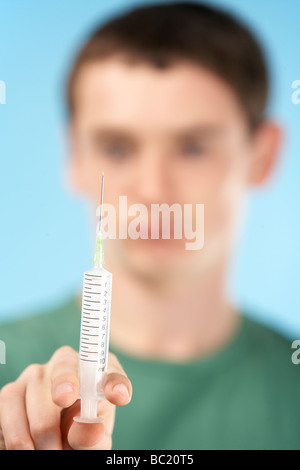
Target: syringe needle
101, 202
99, 250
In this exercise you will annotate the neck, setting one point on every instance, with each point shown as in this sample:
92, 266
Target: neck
180, 322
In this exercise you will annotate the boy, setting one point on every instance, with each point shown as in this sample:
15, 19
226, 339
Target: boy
169, 102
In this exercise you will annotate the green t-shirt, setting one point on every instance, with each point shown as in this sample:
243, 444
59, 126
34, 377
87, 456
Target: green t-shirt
245, 396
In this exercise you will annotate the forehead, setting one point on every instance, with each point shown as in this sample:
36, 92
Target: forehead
112, 90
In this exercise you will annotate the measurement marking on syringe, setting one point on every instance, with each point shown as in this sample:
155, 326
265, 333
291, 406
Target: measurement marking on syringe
89, 284
92, 309
94, 318
88, 360
94, 301
91, 344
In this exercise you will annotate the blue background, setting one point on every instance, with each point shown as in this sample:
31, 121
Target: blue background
46, 233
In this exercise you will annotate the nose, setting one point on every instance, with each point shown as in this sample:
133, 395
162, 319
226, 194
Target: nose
153, 179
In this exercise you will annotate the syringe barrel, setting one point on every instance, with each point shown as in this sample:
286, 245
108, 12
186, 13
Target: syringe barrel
94, 336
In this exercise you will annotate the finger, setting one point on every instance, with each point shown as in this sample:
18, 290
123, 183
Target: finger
14, 424
118, 389
108, 411
64, 376
43, 414
2, 441
117, 386
88, 437
80, 436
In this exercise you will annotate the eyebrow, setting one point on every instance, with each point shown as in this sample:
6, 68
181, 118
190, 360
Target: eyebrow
104, 134
205, 131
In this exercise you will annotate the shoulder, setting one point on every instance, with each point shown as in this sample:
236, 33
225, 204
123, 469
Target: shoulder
266, 339
271, 351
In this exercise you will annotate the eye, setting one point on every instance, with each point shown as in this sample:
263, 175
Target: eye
116, 150
193, 149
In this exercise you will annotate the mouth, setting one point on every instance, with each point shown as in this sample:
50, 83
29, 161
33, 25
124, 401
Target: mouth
158, 232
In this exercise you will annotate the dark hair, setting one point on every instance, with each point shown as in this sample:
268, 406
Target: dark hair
163, 34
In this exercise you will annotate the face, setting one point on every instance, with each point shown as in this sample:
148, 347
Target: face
162, 136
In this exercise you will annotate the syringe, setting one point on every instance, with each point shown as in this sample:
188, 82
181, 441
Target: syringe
94, 336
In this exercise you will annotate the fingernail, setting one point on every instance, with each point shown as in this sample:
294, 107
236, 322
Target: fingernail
63, 388
121, 388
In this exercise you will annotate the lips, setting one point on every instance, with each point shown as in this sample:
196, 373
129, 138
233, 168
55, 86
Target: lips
156, 231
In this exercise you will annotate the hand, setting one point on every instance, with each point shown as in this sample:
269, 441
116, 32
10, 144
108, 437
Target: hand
37, 410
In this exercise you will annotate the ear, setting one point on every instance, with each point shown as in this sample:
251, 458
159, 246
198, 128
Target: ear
266, 145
